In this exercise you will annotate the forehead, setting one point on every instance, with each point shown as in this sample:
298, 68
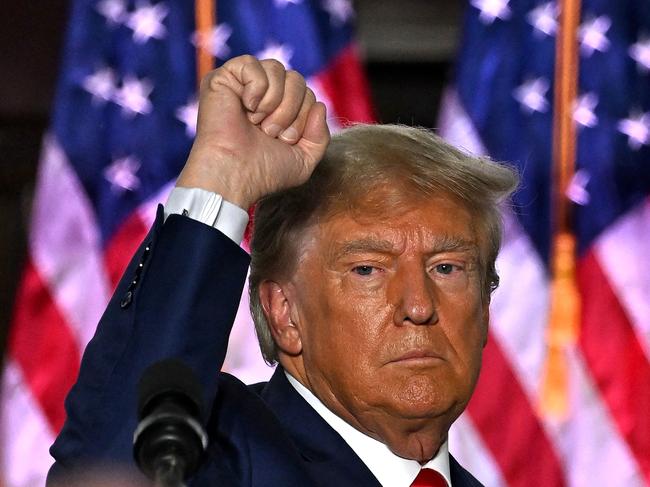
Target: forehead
434, 222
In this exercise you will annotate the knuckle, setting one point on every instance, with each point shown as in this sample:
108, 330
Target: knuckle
210, 81
295, 77
239, 63
273, 64
246, 59
310, 96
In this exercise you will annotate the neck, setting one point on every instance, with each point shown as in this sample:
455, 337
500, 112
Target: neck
416, 439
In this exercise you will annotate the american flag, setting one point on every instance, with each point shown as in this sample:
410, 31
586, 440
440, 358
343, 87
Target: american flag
501, 104
122, 125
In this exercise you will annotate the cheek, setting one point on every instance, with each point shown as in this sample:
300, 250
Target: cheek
345, 330
355, 309
465, 322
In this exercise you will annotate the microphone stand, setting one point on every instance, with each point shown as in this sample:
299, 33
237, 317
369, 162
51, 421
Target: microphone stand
169, 472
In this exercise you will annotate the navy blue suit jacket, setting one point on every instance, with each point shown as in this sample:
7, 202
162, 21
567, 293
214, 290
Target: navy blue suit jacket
178, 298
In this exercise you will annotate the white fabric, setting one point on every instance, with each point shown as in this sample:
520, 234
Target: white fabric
468, 447
622, 252
209, 208
25, 460
69, 252
389, 469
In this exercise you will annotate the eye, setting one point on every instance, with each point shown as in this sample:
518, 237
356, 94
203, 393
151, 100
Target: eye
363, 270
445, 269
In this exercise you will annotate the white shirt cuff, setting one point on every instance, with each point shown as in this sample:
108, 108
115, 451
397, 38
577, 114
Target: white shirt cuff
209, 208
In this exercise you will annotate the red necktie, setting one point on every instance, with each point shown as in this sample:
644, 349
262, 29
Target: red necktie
429, 478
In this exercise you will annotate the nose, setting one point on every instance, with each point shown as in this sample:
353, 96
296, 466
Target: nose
416, 299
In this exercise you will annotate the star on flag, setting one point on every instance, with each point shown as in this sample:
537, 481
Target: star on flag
114, 11
492, 10
101, 85
122, 174
544, 18
577, 190
640, 52
133, 96
592, 35
340, 11
281, 52
583, 113
532, 95
188, 114
215, 41
284, 3
637, 129
146, 22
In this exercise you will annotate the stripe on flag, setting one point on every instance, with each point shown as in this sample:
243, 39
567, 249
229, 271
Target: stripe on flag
24, 460
498, 407
468, 447
41, 335
616, 359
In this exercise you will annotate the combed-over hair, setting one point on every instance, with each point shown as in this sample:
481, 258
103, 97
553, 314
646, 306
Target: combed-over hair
358, 160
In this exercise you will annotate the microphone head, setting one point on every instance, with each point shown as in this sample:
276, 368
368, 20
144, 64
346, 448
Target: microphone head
169, 377
170, 438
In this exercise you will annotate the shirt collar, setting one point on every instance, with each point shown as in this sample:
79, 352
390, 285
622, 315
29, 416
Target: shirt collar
389, 469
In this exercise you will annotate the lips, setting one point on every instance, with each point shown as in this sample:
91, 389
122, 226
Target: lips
418, 356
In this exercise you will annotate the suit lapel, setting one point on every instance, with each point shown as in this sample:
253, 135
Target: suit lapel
327, 456
461, 477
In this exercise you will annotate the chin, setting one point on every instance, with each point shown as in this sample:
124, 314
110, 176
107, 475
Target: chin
420, 397
421, 448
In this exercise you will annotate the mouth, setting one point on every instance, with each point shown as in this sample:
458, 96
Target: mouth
418, 357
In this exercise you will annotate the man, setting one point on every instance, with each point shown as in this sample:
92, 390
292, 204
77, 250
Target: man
370, 284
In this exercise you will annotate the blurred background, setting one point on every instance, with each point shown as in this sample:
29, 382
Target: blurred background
407, 46
564, 394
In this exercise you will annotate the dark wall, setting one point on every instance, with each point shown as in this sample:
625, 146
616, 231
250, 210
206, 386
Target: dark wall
408, 46
30, 35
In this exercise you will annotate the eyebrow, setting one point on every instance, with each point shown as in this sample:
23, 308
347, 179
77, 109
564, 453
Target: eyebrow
448, 243
443, 243
364, 245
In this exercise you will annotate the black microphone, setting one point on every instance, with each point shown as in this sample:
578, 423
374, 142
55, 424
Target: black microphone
169, 439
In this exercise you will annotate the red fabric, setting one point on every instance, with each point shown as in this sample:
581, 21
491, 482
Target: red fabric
42, 344
616, 359
122, 246
507, 423
429, 478
352, 102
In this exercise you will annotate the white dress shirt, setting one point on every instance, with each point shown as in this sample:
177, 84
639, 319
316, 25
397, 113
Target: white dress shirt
389, 469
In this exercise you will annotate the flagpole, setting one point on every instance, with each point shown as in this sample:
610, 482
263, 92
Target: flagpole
564, 313
205, 18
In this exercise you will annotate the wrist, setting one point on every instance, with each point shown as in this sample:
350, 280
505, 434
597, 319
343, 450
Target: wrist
219, 175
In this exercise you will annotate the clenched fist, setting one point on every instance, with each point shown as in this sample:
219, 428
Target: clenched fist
260, 130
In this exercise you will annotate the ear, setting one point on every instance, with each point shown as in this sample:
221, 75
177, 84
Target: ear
277, 311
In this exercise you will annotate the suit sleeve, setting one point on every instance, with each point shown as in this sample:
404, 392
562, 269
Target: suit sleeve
177, 298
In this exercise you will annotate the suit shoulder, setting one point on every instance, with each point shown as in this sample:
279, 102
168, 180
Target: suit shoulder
230, 384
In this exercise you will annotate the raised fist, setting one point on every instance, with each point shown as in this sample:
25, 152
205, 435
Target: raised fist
260, 130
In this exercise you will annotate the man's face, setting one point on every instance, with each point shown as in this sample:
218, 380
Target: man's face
390, 312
